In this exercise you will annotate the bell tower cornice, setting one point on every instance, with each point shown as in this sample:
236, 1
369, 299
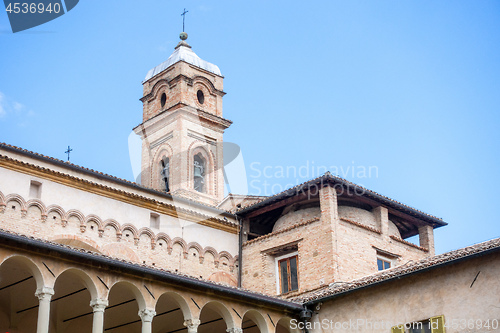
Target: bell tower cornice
172, 82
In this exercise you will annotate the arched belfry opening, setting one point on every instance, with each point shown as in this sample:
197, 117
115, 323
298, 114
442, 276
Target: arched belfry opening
165, 174
199, 173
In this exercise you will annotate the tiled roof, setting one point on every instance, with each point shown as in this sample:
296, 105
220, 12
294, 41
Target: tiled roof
397, 272
328, 177
184, 53
96, 255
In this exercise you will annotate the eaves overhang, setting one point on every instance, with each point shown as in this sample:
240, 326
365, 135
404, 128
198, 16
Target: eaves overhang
17, 241
329, 179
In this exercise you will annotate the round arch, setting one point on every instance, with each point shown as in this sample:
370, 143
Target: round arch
85, 279
163, 152
202, 150
172, 310
70, 305
78, 242
254, 322
139, 297
30, 266
284, 326
20, 278
124, 302
215, 317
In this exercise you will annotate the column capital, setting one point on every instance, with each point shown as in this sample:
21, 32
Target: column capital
44, 293
192, 324
98, 305
234, 330
147, 315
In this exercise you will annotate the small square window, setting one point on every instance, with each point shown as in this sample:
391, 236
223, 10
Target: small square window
35, 189
154, 221
385, 259
383, 264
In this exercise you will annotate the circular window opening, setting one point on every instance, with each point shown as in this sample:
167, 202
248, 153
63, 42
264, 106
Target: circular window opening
201, 96
163, 99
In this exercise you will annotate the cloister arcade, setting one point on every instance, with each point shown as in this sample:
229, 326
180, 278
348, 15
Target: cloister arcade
54, 292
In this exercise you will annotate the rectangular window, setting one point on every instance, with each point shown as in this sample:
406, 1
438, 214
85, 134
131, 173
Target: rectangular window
288, 274
420, 327
383, 264
35, 189
154, 221
385, 259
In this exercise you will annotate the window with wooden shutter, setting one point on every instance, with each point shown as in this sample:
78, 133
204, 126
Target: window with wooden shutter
288, 274
437, 324
398, 329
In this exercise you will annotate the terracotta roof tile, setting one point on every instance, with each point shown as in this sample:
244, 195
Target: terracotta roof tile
409, 268
329, 177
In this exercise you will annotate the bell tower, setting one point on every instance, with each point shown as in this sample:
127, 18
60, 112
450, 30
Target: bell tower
182, 127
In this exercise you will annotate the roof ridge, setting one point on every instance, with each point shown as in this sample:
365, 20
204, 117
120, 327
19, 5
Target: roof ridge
328, 176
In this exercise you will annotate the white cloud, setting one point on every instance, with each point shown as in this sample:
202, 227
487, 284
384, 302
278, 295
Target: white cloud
3, 112
204, 8
17, 106
11, 107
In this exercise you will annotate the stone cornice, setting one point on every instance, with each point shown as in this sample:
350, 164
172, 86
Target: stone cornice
182, 108
117, 194
149, 96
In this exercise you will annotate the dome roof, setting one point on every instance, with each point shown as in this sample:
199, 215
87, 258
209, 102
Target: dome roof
183, 52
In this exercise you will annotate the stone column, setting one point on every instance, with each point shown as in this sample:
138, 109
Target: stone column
234, 330
44, 295
98, 306
426, 237
147, 319
192, 325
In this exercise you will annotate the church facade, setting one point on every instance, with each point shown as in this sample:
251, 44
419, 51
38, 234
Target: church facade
82, 251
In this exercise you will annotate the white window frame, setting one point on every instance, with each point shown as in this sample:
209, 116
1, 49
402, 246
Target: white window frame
391, 261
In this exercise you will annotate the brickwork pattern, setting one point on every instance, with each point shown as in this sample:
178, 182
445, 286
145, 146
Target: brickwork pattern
109, 237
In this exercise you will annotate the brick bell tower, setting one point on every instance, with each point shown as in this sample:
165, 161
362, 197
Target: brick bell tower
183, 126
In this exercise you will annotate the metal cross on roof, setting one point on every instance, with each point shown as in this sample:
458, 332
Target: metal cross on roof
68, 151
183, 17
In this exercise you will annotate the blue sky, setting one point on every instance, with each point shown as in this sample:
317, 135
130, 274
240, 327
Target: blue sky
408, 88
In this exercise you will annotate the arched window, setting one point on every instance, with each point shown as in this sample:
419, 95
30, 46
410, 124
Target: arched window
199, 166
165, 173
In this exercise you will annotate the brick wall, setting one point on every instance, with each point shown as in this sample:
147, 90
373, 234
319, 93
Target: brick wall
122, 241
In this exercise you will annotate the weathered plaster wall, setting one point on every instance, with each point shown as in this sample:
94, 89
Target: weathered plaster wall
443, 291
296, 217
